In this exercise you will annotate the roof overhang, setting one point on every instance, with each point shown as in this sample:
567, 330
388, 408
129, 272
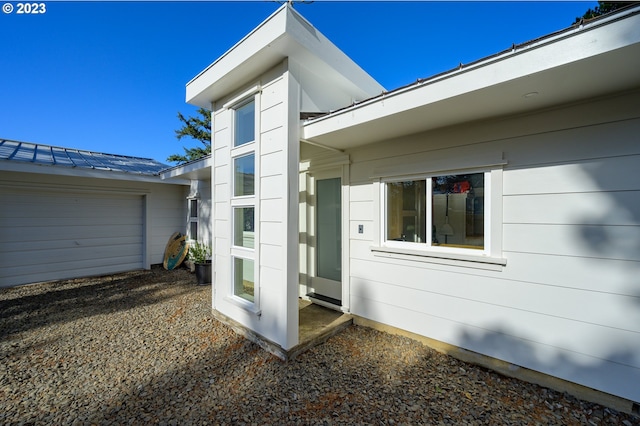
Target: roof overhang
79, 172
285, 34
195, 170
593, 60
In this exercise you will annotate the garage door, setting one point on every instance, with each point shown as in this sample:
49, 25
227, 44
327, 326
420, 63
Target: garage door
54, 235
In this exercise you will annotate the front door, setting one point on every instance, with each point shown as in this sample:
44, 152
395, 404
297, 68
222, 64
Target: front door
327, 283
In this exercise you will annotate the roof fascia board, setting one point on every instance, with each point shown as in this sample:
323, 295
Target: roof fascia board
285, 34
539, 56
261, 37
189, 168
13, 166
233, 48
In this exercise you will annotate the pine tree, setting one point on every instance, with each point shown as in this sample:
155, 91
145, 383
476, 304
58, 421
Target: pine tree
603, 8
198, 128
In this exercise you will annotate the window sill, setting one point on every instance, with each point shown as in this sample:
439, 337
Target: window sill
244, 304
451, 259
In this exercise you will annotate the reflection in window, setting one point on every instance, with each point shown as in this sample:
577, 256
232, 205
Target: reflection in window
458, 210
243, 235
243, 282
454, 213
244, 175
406, 211
245, 124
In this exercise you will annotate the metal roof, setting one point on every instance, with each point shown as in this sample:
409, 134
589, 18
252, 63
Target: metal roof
47, 155
563, 67
514, 48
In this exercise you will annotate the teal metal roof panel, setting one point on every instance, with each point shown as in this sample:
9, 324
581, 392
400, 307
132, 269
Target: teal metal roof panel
47, 155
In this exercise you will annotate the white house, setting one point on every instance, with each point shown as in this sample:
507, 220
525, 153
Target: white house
493, 210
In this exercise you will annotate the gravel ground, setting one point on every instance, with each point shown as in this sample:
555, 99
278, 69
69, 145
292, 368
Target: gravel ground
143, 348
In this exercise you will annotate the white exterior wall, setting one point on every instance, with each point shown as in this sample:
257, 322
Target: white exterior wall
275, 256
567, 303
43, 245
200, 189
205, 213
167, 210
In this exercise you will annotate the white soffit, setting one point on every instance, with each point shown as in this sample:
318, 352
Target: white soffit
285, 34
600, 58
197, 169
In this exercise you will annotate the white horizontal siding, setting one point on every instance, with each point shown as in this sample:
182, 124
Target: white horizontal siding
607, 276
272, 256
592, 208
167, 212
272, 210
272, 118
607, 375
595, 241
362, 210
272, 141
566, 303
272, 187
271, 233
272, 163
595, 175
557, 302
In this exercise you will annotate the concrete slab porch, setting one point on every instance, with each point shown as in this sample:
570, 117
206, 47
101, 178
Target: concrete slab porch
316, 325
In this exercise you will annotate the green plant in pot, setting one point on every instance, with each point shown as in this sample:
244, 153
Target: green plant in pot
200, 255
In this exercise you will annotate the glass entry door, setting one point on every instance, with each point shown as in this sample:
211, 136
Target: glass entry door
327, 282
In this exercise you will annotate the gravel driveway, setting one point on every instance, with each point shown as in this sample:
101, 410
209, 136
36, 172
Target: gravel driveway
142, 348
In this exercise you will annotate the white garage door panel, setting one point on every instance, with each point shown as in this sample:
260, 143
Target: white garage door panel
54, 271
71, 233
90, 217
77, 253
53, 235
62, 244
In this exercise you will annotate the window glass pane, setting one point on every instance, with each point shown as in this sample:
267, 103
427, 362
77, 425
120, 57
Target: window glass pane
244, 169
193, 208
329, 229
243, 234
406, 211
458, 210
193, 230
245, 124
243, 283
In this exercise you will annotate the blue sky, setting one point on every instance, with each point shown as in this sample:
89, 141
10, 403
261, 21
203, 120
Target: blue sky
110, 76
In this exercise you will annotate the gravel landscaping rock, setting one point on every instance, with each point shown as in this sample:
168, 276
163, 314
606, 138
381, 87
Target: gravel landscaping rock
143, 348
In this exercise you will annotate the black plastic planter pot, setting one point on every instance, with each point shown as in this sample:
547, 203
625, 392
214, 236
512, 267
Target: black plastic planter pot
203, 273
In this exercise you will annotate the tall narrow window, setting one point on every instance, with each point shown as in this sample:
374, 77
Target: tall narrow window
243, 205
244, 175
193, 220
245, 124
243, 234
243, 279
